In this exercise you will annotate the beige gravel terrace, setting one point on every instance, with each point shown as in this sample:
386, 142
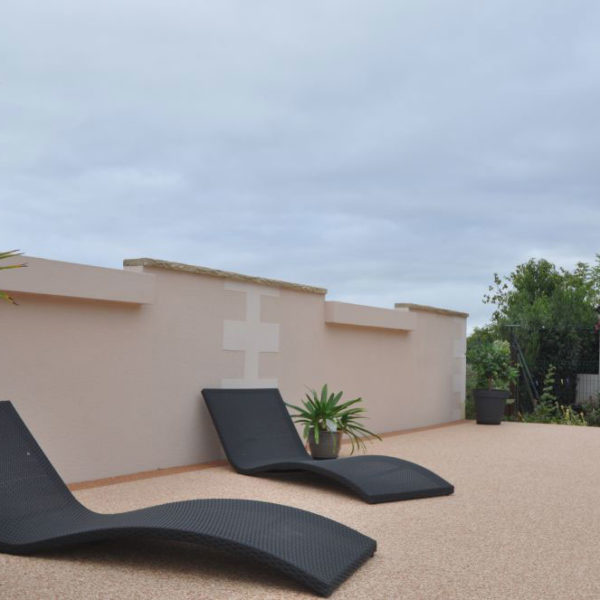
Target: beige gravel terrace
524, 523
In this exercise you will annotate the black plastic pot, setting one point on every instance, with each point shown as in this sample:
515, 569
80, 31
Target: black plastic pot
489, 406
328, 446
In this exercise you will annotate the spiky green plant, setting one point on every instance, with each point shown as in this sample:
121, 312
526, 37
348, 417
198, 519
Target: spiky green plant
547, 408
4, 255
323, 412
548, 396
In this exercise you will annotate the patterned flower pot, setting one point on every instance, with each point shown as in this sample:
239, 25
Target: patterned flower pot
489, 406
328, 446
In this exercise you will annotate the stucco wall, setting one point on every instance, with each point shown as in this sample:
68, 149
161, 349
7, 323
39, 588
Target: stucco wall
106, 365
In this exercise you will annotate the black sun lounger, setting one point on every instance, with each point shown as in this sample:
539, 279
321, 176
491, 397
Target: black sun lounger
258, 436
38, 512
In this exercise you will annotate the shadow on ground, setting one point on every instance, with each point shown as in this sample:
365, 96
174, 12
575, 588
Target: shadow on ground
165, 558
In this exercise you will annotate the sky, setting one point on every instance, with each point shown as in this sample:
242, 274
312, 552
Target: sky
389, 151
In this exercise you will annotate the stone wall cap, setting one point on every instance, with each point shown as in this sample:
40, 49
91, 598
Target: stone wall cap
431, 309
175, 266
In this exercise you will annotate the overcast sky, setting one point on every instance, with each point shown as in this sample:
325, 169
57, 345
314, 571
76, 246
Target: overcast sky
390, 151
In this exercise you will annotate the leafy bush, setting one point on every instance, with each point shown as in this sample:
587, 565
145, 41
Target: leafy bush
469, 400
592, 416
491, 363
550, 410
557, 413
591, 411
568, 416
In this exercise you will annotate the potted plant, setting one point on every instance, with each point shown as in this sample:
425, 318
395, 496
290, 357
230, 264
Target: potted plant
494, 372
325, 420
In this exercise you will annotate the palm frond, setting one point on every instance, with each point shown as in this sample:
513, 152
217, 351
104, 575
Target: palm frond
10, 254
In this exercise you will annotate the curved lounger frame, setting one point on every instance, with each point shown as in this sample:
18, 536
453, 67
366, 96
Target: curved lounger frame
38, 512
258, 436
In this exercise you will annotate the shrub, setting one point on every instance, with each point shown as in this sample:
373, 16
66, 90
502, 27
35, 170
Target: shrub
492, 365
556, 413
471, 381
591, 411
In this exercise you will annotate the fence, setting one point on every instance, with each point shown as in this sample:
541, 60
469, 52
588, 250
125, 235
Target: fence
573, 352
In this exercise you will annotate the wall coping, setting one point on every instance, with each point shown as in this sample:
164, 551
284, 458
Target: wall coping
431, 309
181, 267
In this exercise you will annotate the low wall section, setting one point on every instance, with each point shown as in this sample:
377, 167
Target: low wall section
106, 365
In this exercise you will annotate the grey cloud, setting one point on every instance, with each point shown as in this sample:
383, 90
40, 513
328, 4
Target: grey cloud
390, 151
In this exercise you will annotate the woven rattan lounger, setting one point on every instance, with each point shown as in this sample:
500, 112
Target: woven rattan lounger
38, 512
258, 436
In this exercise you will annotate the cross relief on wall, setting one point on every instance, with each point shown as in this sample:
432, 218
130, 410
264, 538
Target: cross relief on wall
252, 336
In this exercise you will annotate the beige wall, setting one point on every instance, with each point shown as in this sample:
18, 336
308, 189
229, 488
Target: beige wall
106, 366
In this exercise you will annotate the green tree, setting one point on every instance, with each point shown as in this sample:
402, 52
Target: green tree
538, 294
552, 312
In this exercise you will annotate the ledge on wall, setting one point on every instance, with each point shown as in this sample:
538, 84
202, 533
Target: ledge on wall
69, 280
357, 315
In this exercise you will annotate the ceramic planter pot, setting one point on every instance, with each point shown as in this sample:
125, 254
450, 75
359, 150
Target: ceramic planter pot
489, 406
328, 446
